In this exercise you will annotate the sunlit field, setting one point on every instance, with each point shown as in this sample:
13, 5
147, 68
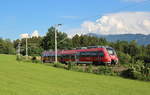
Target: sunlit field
19, 78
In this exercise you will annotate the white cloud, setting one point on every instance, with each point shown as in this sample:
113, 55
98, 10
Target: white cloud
26, 35
90, 26
146, 23
35, 34
117, 23
72, 32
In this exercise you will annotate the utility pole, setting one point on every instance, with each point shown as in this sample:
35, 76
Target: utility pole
57, 25
26, 48
19, 49
55, 45
25, 36
28, 36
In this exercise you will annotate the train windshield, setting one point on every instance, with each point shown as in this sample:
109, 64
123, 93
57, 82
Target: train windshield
111, 51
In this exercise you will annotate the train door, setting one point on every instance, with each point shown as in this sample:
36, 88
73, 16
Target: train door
100, 57
77, 57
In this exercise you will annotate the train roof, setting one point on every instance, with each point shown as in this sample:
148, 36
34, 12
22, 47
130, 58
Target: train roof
90, 48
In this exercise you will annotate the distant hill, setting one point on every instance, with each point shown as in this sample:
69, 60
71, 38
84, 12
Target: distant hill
140, 38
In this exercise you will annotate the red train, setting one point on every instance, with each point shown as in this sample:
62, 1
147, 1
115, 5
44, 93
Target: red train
86, 55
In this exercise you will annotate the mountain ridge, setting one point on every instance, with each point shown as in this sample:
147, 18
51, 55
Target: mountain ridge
140, 38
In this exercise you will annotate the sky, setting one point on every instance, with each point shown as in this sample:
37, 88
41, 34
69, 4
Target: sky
76, 16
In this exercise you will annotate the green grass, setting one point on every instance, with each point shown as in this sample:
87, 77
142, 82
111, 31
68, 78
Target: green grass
18, 78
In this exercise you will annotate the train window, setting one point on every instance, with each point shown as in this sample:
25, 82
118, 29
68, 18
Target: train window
72, 57
94, 54
89, 54
110, 51
67, 56
83, 54
101, 53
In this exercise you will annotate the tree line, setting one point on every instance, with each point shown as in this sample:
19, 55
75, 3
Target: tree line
127, 51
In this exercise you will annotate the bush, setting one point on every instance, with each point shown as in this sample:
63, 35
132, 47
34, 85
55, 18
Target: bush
90, 68
18, 58
21, 58
138, 70
71, 66
28, 59
79, 69
35, 59
127, 73
59, 65
105, 70
124, 58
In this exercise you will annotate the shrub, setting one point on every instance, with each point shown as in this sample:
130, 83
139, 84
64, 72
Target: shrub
34, 60
138, 70
79, 69
59, 65
89, 68
37, 61
127, 73
18, 58
71, 66
22, 58
105, 70
124, 58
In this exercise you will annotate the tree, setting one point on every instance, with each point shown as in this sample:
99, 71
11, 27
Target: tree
124, 58
85, 40
34, 46
48, 41
134, 49
76, 41
6, 47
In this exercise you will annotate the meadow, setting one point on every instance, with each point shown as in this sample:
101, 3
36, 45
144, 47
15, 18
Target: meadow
25, 78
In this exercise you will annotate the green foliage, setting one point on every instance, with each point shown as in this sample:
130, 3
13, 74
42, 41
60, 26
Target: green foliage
6, 47
48, 41
90, 68
35, 60
76, 41
71, 66
34, 48
32, 59
145, 58
18, 58
58, 65
124, 58
85, 40
105, 70
138, 70
23, 58
134, 49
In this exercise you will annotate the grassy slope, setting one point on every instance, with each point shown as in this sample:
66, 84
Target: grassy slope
36, 79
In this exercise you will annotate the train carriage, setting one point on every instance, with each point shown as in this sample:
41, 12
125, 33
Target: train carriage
91, 55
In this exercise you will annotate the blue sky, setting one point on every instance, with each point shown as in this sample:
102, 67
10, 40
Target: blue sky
25, 16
